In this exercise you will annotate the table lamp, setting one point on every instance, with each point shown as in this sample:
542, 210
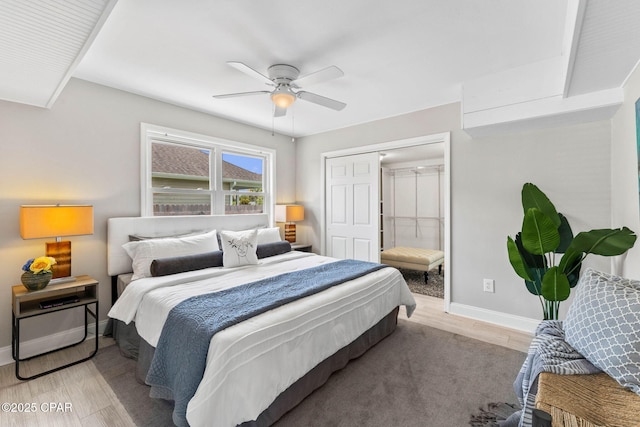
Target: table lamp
289, 214
41, 221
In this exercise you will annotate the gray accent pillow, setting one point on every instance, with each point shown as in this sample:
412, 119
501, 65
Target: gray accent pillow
180, 264
603, 324
270, 249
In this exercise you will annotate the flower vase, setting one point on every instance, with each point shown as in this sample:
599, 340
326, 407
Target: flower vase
35, 282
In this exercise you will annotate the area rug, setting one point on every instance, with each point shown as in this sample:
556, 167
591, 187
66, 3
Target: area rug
415, 279
418, 376
494, 416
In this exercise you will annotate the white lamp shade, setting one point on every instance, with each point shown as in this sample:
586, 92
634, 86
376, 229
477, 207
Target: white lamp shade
283, 97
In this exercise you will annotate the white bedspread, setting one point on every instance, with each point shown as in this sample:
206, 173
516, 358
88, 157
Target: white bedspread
251, 363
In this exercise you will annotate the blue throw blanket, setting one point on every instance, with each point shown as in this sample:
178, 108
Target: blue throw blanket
180, 357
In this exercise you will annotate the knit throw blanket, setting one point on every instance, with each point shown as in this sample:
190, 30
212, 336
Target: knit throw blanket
180, 357
548, 353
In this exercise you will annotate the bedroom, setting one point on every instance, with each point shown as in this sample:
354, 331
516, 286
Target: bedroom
86, 148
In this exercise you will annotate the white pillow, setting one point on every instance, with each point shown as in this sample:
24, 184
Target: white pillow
143, 252
269, 235
239, 247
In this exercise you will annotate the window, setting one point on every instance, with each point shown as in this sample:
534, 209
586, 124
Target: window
188, 174
242, 183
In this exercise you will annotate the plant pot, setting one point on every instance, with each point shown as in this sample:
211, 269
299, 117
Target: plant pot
35, 282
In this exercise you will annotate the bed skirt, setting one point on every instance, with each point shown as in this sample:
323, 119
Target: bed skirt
127, 339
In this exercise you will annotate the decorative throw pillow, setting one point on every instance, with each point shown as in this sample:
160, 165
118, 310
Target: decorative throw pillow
180, 264
239, 247
138, 237
603, 324
268, 235
143, 252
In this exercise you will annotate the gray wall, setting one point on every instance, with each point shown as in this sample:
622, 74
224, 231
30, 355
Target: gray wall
624, 178
86, 149
571, 164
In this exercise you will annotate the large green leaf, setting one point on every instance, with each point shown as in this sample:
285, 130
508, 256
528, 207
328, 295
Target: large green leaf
535, 286
570, 265
539, 233
605, 242
555, 285
566, 235
530, 260
516, 260
533, 197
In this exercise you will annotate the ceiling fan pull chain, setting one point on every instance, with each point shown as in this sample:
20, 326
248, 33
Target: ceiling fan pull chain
292, 124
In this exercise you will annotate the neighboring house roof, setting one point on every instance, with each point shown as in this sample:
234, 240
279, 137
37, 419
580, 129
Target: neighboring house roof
168, 158
175, 159
231, 171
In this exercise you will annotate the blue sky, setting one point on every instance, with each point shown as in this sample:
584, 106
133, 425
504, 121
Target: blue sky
249, 163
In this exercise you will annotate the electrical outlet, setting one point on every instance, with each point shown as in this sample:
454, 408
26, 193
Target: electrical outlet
487, 285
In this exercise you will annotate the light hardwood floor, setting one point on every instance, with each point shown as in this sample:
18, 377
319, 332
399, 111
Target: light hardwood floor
93, 402
430, 312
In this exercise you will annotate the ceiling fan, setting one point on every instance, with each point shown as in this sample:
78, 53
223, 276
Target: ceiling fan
287, 81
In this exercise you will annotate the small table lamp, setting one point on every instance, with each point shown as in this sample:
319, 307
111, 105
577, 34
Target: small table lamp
289, 214
40, 221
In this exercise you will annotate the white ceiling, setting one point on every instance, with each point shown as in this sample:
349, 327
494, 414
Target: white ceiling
417, 154
397, 57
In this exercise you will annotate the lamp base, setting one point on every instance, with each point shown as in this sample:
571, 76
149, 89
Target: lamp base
61, 252
290, 232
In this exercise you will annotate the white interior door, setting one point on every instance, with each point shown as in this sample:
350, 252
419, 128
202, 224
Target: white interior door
352, 207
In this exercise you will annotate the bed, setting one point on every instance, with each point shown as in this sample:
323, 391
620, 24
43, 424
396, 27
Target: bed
261, 366
418, 259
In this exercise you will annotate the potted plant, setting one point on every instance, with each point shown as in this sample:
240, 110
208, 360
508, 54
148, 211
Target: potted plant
545, 233
37, 273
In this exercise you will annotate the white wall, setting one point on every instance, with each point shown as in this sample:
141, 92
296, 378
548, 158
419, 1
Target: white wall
86, 149
624, 174
412, 194
571, 164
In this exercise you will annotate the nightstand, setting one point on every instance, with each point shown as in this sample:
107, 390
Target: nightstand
300, 247
83, 292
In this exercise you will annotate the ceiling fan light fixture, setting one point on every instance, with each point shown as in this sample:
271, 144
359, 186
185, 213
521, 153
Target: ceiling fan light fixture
283, 97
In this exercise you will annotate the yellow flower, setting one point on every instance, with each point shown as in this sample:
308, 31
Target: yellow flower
42, 264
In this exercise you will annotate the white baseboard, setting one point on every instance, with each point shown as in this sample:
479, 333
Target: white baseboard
50, 342
505, 320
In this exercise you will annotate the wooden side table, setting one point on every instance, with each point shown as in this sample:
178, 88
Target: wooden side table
302, 247
83, 292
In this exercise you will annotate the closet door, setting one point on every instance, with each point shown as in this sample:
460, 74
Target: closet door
352, 217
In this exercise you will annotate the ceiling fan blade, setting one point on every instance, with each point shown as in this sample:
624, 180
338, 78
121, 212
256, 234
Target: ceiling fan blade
280, 112
323, 75
250, 72
233, 95
321, 100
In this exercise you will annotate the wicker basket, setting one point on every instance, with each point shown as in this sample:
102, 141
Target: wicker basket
35, 282
587, 401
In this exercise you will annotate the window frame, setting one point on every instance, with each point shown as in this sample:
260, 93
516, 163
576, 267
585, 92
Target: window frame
152, 133
224, 193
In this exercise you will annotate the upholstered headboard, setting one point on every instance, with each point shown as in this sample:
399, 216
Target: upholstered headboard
119, 230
